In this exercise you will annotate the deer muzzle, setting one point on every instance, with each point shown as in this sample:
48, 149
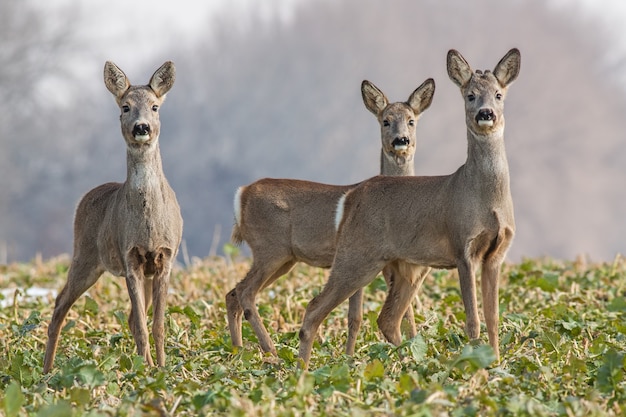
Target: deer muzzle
485, 117
401, 144
141, 132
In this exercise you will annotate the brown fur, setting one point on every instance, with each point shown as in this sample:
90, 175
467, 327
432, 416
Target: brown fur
289, 221
462, 220
131, 229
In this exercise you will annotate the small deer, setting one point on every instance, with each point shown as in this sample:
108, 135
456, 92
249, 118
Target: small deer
287, 221
131, 229
458, 221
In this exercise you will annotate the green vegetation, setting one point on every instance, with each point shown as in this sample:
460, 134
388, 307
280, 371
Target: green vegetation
563, 343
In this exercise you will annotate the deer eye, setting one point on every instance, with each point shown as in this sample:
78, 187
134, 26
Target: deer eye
471, 97
411, 122
498, 96
386, 123
155, 108
125, 108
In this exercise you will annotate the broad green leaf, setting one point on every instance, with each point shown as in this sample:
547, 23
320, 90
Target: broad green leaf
13, 399
611, 373
91, 376
617, 304
374, 370
91, 307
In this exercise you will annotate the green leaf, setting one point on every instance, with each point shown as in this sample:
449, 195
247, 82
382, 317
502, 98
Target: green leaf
617, 304
406, 384
611, 373
418, 348
91, 376
80, 396
91, 307
192, 315
476, 357
60, 409
374, 370
549, 282
13, 399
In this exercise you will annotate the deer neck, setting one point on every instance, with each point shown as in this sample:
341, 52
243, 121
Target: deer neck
401, 166
145, 170
486, 166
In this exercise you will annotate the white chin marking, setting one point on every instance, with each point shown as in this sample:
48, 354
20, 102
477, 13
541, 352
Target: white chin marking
485, 123
142, 138
401, 147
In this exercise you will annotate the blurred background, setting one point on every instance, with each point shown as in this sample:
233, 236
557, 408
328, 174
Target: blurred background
272, 88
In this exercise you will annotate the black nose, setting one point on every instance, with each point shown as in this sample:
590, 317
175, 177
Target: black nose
485, 114
141, 129
403, 141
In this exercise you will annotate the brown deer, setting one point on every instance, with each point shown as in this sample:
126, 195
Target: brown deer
287, 221
458, 221
131, 229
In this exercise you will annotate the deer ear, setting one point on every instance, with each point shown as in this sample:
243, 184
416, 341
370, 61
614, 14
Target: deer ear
115, 79
374, 99
508, 68
422, 97
459, 70
163, 79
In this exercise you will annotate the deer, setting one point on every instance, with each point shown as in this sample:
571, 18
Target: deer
131, 229
463, 220
286, 221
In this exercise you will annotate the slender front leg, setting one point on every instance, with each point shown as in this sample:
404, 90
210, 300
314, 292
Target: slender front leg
467, 282
137, 318
490, 287
160, 286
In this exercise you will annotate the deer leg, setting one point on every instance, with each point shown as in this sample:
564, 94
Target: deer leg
257, 279
392, 272
467, 283
345, 280
234, 315
490, 286
401, 292
160, 287
136, 290
80, 277
355, 317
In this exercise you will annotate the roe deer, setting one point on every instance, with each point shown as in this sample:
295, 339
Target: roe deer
458, 221
131, 229
288, 221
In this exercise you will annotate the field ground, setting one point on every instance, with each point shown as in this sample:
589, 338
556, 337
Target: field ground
562, 331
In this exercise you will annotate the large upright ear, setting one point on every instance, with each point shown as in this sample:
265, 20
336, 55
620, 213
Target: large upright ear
163, 78
115, 79
459, 70
421, 98
508, 68
374, 99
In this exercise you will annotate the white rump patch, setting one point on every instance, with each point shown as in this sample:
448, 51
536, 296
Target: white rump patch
237, 205
485, 123
339, 211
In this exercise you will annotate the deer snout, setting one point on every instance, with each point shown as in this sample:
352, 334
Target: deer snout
485, 117
141, 132
401, 143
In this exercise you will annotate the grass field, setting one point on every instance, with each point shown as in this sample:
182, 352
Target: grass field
562, 331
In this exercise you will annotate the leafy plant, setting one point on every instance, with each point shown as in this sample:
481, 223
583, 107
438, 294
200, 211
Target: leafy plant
563, 347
